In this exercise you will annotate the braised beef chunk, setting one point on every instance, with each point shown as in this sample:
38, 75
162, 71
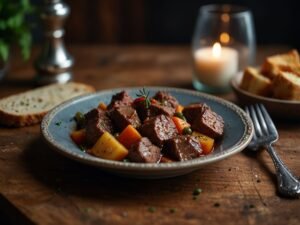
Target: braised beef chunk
97, 122
123, 116
209, 123
183, 148
144, 151
154, 109
159, 129
166, 99
142, 110
204, 120
120, 99
157, 109
191, 112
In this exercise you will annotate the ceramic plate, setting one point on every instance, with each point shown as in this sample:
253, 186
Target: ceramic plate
284, 109
57, 125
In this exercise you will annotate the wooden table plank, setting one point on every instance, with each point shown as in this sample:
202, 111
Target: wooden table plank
47, 188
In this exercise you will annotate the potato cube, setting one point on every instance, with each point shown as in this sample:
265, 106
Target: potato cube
108, 147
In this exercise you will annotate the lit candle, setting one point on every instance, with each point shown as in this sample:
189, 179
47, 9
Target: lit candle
216, 65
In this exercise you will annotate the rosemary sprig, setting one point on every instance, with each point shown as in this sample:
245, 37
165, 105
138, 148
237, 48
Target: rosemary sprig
145, 94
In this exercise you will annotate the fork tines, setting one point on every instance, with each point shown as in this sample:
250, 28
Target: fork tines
262, 121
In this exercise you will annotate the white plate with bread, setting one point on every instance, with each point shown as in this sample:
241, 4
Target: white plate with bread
276, 84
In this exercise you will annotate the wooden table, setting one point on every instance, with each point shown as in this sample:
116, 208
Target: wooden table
39, 186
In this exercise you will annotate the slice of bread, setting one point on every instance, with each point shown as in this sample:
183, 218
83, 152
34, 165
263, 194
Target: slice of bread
276, 63
29, 107
295, 69
286, 85
254, 82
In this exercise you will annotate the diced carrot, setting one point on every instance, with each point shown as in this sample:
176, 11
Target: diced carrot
78, 136
153, 101
206, 142
180, 124
102, 106
179, 108
129, 136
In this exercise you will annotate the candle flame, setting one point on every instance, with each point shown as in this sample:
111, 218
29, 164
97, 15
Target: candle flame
224, 38
216, 50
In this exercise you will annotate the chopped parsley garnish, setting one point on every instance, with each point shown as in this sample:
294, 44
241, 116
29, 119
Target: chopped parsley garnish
151, 209
58, 123
82, 148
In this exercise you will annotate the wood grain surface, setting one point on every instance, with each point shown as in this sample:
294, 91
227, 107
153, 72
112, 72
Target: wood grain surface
39, 186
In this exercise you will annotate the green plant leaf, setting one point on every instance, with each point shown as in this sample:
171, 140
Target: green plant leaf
25, 44
15, 21
25, 3
14, 28
4, 50
3, 25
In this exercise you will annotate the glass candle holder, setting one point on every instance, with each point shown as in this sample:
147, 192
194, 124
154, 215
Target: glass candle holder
223, 43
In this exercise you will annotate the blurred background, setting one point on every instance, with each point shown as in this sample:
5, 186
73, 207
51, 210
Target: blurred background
169, 21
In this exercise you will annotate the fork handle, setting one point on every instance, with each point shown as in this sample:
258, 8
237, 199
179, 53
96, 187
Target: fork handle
288, 184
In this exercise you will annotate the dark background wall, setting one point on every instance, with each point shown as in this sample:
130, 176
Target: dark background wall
172, 21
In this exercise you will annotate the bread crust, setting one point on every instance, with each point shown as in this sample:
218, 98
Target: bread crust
285, 88
20, 120
11, 120
281, 62
255, 82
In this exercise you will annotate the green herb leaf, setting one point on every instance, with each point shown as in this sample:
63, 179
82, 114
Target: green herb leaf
145, 94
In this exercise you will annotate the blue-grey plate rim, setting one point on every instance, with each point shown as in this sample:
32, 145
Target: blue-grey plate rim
130, 166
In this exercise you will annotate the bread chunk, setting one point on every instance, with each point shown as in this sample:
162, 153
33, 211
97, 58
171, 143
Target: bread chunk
255, 82
287, 86
276, 63
295, 69
29, 107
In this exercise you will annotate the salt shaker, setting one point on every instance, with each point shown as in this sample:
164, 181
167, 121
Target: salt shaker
54, 62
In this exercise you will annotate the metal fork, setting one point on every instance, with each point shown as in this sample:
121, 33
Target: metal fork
265, 135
